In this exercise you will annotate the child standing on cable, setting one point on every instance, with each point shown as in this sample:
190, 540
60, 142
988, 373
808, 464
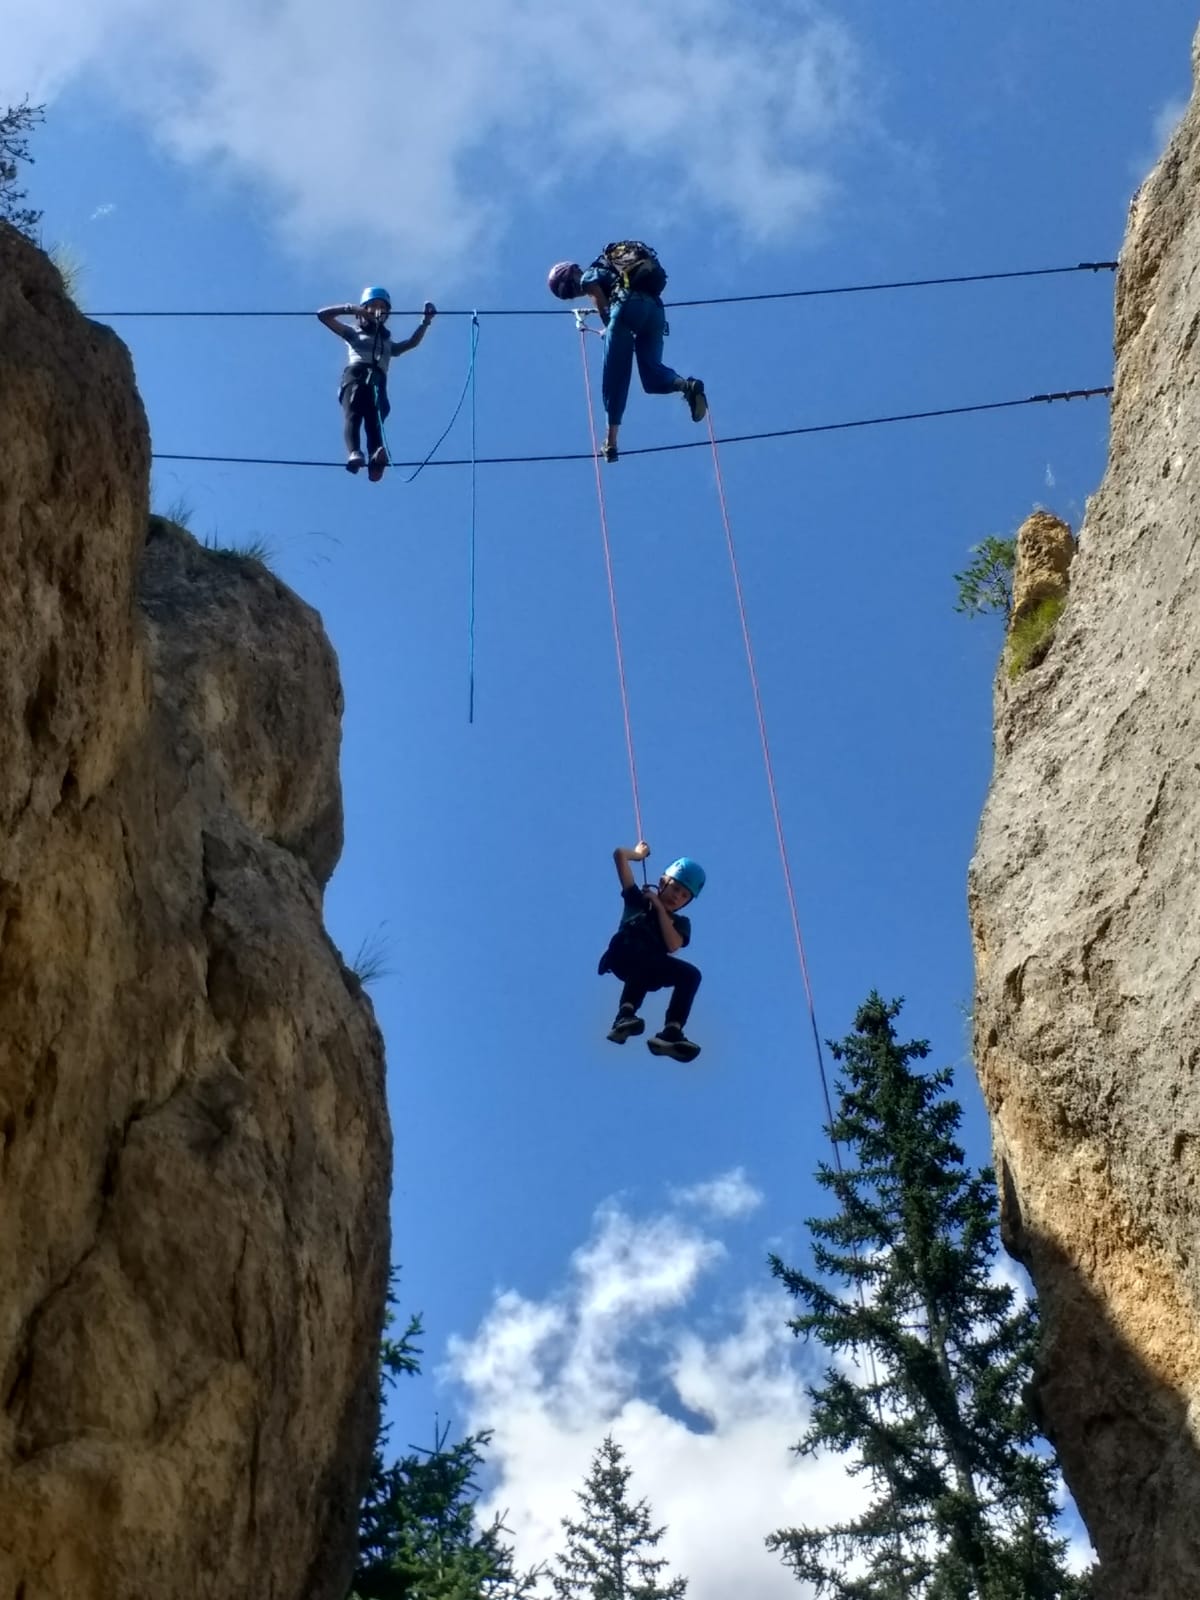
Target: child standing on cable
363, 389
642, 951
625, 284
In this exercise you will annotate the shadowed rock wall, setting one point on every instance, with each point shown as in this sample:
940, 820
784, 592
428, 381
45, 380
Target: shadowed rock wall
194, 1148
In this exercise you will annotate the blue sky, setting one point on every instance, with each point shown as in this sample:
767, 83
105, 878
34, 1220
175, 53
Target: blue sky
259, 158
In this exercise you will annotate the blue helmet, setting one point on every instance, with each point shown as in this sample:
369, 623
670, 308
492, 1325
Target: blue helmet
375, 293
688, 874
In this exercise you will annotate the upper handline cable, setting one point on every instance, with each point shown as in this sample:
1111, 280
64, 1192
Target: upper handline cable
664, 449
713, 300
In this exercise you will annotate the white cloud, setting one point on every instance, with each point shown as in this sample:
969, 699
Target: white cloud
707, 1418
706, 1404
1167, 119
412, 135
728, 1196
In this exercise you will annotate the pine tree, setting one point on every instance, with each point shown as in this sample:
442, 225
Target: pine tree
15, 125
962, 1504
609, 1553
418, 1536
987, 583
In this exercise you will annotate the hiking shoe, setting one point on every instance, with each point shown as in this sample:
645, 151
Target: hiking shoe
628, 1024
697, 400
609, 453
356, 461
671, 1042
379, 461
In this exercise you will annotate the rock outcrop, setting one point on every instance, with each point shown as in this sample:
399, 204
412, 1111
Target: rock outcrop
194, 1148
1045, 550
1085, 910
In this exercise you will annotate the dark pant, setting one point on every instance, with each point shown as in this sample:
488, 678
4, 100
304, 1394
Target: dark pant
635, 329
364, 405
641, 974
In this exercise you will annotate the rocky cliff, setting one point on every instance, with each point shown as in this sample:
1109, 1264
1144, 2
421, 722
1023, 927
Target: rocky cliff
194, 1149
1085, 909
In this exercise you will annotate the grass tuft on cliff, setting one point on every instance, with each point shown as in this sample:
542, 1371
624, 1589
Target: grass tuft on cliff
251, 548
1031, 636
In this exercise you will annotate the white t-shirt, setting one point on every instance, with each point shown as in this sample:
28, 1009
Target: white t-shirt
369, 346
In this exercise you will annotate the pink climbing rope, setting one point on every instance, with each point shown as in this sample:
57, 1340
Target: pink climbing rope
768, 764
612, 590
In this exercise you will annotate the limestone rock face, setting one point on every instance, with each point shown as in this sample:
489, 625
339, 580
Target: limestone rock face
194, 1148
1085, 910
1045, 550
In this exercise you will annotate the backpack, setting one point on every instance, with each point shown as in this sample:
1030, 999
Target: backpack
636, 265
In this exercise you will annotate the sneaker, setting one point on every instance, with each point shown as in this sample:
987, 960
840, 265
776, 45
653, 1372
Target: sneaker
379, 461
628, 1024
356, 461
609, 453
671, 1042
697, 400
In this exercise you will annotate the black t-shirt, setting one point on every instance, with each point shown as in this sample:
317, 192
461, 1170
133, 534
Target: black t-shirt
639, 933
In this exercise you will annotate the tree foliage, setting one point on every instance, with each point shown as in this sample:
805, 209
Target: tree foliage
16, 124
610, 1551
419, 1537
930, 1354
986, 583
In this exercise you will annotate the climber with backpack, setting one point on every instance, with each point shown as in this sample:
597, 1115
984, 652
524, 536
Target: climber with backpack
625, 284
363, 389
642, 951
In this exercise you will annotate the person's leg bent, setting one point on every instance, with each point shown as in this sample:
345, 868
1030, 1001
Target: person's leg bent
651, 323
684, 980
633, 994
635, 977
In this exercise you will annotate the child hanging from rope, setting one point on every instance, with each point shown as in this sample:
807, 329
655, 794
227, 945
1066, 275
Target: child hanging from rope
363, 389
642, 951
625, 284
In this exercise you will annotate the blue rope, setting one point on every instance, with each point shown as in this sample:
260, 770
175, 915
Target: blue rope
379, 414
468, 386
471, 560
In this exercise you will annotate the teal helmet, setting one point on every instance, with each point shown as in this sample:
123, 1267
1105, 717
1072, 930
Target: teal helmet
375, 293
688, 874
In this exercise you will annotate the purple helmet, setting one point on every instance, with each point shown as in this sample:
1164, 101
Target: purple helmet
563, 280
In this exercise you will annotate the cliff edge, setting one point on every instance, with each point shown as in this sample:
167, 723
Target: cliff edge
194, 1147
1085, 912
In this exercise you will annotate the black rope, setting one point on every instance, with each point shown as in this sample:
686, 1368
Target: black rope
662, 449
718, 300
